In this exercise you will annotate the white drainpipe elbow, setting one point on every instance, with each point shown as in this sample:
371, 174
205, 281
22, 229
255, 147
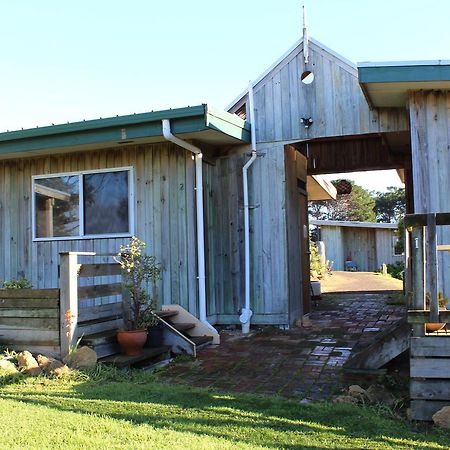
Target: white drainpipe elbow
167, 133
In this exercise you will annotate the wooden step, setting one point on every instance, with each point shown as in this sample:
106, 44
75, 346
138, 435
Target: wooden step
183, 327
100, 338
166, 314
104, 344
147, 356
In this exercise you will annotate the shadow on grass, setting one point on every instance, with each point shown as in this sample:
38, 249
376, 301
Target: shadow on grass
268, 421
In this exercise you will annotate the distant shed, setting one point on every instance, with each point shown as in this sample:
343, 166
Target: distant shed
368, 244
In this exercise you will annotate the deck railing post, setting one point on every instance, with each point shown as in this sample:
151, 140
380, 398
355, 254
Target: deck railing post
418, 274
68, 310
432, 268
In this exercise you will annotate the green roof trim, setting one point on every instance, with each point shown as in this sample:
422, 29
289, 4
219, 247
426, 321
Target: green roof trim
403, 73
187, 120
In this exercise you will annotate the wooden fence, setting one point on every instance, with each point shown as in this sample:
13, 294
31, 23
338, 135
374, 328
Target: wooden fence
29, 320
50, 321
430, 352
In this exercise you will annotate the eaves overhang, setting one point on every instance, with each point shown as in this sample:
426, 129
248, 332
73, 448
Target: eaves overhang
200, 123
386, 84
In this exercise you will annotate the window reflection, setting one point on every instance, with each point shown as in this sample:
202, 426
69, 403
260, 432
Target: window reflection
57, 206
106, 203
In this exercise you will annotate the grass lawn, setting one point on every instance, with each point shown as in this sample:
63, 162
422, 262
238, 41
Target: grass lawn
108, 410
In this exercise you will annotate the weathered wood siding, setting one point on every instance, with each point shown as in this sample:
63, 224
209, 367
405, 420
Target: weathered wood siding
269, 286
334, 246
164, 216
369, 248
334, 101
430, 144
384, 241
29, 320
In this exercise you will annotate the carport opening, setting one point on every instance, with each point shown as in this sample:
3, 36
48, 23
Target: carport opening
357, 239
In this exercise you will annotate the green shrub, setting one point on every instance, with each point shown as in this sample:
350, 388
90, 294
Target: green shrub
396, 269
17, 283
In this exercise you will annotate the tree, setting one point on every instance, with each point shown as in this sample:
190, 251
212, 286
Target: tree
390, 206
358, 205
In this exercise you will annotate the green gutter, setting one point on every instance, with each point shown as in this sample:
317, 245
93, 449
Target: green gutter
402, 74
137, 126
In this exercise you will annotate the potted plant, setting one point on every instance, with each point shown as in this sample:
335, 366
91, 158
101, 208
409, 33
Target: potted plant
433, 327
138, 270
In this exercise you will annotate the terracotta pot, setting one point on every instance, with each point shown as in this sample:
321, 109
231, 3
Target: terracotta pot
132, 342
433, 327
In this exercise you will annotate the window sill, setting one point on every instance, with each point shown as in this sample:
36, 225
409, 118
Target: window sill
84, 238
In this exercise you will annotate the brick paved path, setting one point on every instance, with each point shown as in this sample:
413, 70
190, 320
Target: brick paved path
302, 362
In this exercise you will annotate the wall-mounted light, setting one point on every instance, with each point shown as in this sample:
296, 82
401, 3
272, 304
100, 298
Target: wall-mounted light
306, 121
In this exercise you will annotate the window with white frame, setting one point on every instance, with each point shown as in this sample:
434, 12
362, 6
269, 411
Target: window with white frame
83, 204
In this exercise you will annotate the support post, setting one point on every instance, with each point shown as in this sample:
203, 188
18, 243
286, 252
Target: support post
432, 268
68, 304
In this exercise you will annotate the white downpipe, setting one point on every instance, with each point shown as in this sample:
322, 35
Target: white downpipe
246, 312
167, 133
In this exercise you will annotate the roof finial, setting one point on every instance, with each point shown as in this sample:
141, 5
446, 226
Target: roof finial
305, 37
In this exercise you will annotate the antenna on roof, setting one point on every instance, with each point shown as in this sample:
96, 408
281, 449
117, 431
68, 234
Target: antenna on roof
305, 37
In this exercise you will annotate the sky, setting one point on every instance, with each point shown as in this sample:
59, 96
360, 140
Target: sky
69, 61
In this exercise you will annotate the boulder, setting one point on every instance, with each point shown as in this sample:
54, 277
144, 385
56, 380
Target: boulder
7, 366
442, 417
345, 399
82, 358
52, 366
356, 391
28, 364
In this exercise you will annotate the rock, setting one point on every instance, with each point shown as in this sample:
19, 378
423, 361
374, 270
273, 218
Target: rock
442, 417
52, 366
28, 364
82, 358
7, 366
356, 391
378, 394
60, 371
345, 399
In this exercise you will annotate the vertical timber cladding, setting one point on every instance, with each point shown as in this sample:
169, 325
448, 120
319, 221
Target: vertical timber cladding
164, 216
430, 147
334, 100
268, 258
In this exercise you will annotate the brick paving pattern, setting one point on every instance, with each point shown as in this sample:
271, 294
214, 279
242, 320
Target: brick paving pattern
304, 362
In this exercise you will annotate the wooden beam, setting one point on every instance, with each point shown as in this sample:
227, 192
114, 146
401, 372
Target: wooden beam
100, 290
99, 270
51, 193
432, 267
412, 220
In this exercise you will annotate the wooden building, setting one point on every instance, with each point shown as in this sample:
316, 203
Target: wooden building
90, 186
368, 245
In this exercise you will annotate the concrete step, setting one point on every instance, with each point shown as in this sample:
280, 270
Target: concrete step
201, 341
183, 327
167, 314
